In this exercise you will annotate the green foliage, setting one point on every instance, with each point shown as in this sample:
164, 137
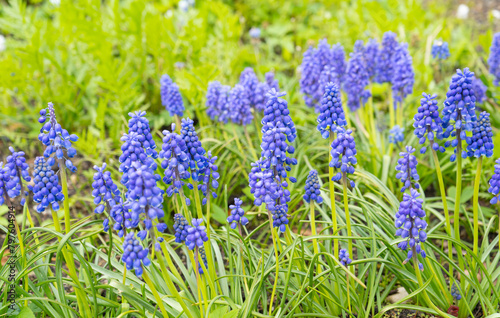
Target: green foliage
98, 60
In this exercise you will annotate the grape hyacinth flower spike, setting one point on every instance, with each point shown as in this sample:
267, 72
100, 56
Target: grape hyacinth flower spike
133, 151
344, 257
494, 58
46, 190
396, 135
343, 151
171, 98
237, 216
240, 106
105, 191
411, 226
181, 226
56, 139
195, 151
455, 293
16, 163
427, 123
331, 113
479, 90
481, 143
440, 50
250, 82
403, 77
407, 169
276, 110
209, 176
176, 161
139, 124
197, 234
459, 111
134, 255
5, 186
212, 96
385, 63
357, 78
312, 188
495, 184
310, 72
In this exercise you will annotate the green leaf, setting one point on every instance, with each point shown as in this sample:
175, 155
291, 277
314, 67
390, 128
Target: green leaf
26, 313
232, 314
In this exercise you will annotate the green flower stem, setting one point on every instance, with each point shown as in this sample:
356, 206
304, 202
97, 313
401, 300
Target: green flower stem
348, 292
211, 266
313, 228
249, 140
475, 205
257, 125
194, 261
456, 216
332, 199
238, 144
177, 123
445, 206
159, 301
347, 215
421, 283
197, 200
277, 261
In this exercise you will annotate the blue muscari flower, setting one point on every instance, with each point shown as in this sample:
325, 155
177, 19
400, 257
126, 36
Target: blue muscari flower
208, 177
134, 255
455, 293
266, 187
331, 113
271, 81
338, 64
180, 227
213, 95
396, 135
203, 256
459, 110
385, 58
280, 216
411, 225
481, 142
275, 147
495, 184
254, 33
144, 196
309, 80
56, 139
494, 58
323, 53
195, 150
176, 160
104, 190
196, 234
403, 77
479, 90
440, 50
237, 214
344, 257
16, 163
250, 81
46, 189
370, 54
223, 104
357, 78
132, 151
343, 151
240, 106
6, 189
326, 76
312, 188
427, 123
158, 245
276, 110
120, 214
171, 98
407, 169
139, 124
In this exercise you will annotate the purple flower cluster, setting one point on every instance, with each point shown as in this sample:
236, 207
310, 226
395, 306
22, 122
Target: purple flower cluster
277, 113
194, 148
459, 113
16, 163
237, 214
56, 139
196, 234
357, 78
479, 90
384, 59
411, 225
7, 187
331, 113
494, 58
218, 101
396, 135
370, 54
105, 191
440, 50
343, 151
181, 226
208, 177
134, 255
312, 188
240, 106
171, 98
46, 190
481, 143
139, 124
403, 77
427, 123
495, 184
132, 151
407, 169
344, 257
